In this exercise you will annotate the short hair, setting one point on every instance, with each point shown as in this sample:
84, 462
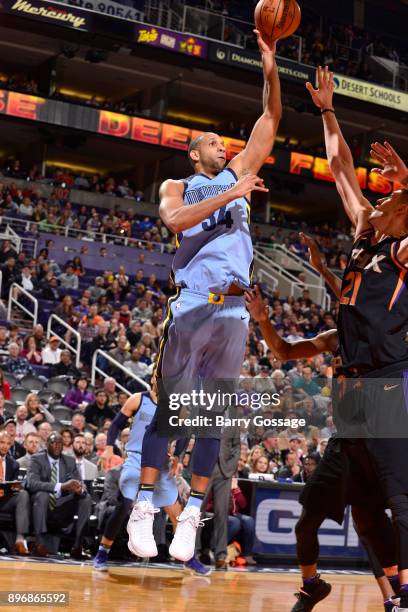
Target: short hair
195, 145
31, 434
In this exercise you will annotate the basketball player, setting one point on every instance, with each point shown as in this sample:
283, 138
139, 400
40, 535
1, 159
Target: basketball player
141, 408
206, 330
373, 314
337, 480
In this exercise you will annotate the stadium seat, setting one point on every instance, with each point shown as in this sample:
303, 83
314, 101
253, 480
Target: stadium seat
62, 413
12, 380
58, 386
19, 394
10, 407
31, 382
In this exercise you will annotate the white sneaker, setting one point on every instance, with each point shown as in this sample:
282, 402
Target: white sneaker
140, 529
183, 544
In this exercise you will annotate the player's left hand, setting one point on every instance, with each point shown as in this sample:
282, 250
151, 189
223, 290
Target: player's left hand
394, 167
264, 47
256, 305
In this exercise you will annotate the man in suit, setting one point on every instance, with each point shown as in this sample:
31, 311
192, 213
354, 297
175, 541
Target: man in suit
32, 446
19, 503
57, 494
87, 470
219, 489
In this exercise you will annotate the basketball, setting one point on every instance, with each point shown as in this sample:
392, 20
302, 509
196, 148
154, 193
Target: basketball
277, 18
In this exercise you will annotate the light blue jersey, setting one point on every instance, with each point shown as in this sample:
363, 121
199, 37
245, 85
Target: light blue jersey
217, 252
141, 420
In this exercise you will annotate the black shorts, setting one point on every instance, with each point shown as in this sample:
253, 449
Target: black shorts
345, 475
388, 439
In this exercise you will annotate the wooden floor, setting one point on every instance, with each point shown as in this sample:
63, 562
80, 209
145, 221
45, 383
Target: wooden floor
126, 589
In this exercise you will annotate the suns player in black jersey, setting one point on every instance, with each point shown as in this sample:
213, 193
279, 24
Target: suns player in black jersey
336, 481
373, 314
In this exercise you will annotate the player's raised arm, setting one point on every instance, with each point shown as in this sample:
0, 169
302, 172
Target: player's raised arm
338, 151
262, 139
318, 261
281, 348
179, 217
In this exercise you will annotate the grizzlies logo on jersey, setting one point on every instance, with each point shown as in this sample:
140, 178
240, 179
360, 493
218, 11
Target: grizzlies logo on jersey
217, 252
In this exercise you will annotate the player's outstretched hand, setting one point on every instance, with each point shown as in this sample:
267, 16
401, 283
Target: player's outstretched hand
323, 96
264, 47
316, 258
256, 305
247, 183
393, 168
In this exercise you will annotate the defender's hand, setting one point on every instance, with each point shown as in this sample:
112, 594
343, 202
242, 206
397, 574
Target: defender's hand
323, 96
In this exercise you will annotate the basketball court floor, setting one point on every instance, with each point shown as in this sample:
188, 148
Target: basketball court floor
166, 588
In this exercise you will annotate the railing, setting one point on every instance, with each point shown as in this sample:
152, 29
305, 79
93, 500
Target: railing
26, 226
72, 331
13, 237
15, 291
313, 280
161, 14
21, 243
116, 364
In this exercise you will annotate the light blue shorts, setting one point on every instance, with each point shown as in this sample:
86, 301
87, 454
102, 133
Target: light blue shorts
165, 490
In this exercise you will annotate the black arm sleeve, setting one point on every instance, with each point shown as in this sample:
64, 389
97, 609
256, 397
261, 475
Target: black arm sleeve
119, 422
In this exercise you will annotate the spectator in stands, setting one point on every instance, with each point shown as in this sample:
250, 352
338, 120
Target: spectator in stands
51, 354
19, 503
98, 289
109, 386
260, 466
329, 429
4, 414
65, 310
270, 447
98, 411
44, 431
31, 352
309, 465
86, 469
16, 449
77, 266
65, 367
291, 469
138, 367
7, 251
23, 427
78, 397
100, 446
32, 446
88, 333
306, 385
134, 333
36, 413
10, 275
68, 280
78, 423
4, 341
240, 525
4, 387
120, 353
18, 366
67, 441
39, 335
57, 493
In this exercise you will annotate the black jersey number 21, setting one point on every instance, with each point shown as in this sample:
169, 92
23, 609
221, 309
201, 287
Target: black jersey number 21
224, 218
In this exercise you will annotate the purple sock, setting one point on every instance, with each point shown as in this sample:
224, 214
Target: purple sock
394, 582
312, 580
